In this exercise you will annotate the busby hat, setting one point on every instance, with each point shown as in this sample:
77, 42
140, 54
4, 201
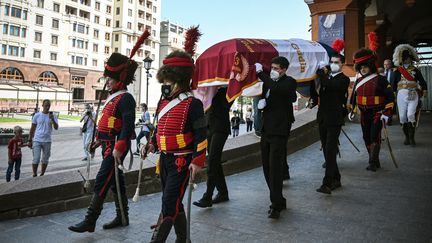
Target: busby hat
365, 57
178, 66
121, 67
402, 52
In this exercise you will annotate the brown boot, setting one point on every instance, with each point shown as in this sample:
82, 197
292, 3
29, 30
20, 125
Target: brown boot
43, 169
34, 168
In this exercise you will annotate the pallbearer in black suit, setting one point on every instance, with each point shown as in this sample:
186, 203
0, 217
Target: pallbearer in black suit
333, 93
280, 92
218, 129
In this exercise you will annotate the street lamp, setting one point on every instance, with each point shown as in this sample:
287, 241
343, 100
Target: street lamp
147, 65
37, 86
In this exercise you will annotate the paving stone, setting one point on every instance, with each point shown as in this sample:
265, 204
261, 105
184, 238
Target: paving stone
391, 205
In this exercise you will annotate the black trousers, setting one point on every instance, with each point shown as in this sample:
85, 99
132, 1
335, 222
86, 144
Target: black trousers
105, 179
371, 125
249, 126
273, 156
139, 137
329, 136
174, 174
215, 174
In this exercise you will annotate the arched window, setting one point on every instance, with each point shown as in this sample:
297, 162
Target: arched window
48, 77
11, 73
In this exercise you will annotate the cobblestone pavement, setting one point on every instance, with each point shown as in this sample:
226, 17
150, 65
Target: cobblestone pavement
391, 205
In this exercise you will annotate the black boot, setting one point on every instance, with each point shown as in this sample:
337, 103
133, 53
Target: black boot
93, 212
204, 202
375, 155
180, 227
411, 132
162, 230
371, 166
405, 131
116, 222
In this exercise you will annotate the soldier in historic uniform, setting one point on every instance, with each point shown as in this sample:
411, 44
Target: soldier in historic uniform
115, 130
218, 125
373, 95
180, 136
114, 133
333, 94
410, 86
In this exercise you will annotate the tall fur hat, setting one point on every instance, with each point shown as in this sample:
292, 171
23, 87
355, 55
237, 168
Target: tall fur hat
122, 68
178, 66
400, 53
365, 57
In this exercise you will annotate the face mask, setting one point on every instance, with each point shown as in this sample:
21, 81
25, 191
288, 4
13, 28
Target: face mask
334, 68
166, 90
406, 65
274, 74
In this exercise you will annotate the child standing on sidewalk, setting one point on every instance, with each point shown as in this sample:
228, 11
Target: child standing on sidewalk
14, 153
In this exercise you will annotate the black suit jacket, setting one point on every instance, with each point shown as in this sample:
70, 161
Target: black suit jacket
218, 114
278, 115
333, 98
390, 77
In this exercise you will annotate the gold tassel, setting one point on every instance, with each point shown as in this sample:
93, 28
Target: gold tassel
157, 166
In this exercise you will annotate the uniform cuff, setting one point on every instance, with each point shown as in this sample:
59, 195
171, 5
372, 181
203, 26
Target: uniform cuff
199, 160
121, 146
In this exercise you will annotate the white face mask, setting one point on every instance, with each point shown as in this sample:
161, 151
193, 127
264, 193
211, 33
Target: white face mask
406, 65
334, 68
274, 74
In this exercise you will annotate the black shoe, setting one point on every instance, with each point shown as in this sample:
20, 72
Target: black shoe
220, 197
203, 203
324, 189
85, 159
274, 213
371, 167
324, 165
136, 153
336, 185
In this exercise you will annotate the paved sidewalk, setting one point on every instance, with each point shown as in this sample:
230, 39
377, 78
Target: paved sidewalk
392, 205
66, 151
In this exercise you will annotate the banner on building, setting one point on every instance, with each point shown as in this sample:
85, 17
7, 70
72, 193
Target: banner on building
330, 27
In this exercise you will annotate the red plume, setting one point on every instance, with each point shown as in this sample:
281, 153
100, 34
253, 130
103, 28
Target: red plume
191, 38
373, 42
338, 45
139, 42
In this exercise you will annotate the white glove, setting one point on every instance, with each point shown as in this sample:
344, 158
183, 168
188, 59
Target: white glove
261, 104
385, 118
258, 67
